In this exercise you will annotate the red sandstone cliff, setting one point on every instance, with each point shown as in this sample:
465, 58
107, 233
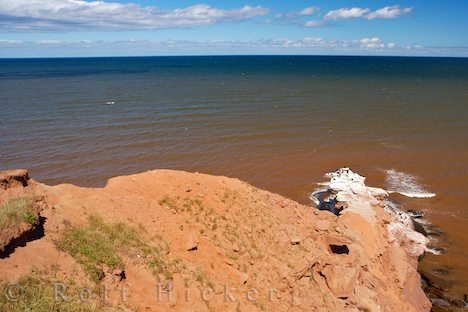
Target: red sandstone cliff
235, 247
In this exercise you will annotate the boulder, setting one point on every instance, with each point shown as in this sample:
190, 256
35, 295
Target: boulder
243, 277
294, 239
322, 225
191, 242
340, 279
13, 178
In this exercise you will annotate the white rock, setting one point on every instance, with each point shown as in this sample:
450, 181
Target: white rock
349, 187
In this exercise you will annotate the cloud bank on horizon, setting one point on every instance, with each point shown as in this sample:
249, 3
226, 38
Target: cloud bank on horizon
139, 28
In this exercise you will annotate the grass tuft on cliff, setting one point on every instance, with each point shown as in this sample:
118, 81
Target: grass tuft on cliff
35, 292
16, 211
101, 245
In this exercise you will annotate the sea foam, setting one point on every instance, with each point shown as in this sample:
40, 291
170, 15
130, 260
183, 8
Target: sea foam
405, 184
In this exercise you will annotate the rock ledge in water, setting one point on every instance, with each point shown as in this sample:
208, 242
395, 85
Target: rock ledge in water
347, 191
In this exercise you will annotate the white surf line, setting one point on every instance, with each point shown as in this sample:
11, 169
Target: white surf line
405, 184
413, 195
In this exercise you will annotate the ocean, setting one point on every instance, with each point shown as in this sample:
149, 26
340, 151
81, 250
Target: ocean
278, 122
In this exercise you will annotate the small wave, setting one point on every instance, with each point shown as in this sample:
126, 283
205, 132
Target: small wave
434, 251
415, 195
405, 184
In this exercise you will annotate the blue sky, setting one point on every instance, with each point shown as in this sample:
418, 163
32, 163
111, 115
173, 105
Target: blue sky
41, 28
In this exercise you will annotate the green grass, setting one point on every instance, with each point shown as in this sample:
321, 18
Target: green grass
16, 211
169, 203
38, 296
194, 204
203, 279
162, 266
101, 245
30, 217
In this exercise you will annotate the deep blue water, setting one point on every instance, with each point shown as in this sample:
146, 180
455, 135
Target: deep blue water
417, 67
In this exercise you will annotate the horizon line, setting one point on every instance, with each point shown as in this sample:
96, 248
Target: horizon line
229, 55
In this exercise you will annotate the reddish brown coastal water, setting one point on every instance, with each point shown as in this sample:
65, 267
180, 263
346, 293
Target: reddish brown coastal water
279, 123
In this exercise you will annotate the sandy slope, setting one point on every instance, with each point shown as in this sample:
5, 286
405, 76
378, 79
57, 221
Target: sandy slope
258, 250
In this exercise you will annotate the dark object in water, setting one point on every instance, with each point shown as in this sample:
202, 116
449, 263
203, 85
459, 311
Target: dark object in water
419, 227
415, 214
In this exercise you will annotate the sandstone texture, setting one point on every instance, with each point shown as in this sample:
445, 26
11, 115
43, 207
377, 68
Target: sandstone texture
239, 248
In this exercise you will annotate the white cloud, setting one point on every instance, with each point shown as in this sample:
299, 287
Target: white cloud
307, 11
48, 41
10, 42
314, 24
389, 12
372, 43
70, 15
285, 16
345, 13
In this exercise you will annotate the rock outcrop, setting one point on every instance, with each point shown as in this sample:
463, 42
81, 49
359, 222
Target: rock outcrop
14, 184
346, 192
232, 247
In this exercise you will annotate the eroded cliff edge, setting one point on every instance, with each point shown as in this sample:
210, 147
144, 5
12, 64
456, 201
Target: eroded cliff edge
219, 244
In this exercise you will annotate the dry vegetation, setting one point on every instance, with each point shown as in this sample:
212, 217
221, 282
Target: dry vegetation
16, 211
101, 246
35, 293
